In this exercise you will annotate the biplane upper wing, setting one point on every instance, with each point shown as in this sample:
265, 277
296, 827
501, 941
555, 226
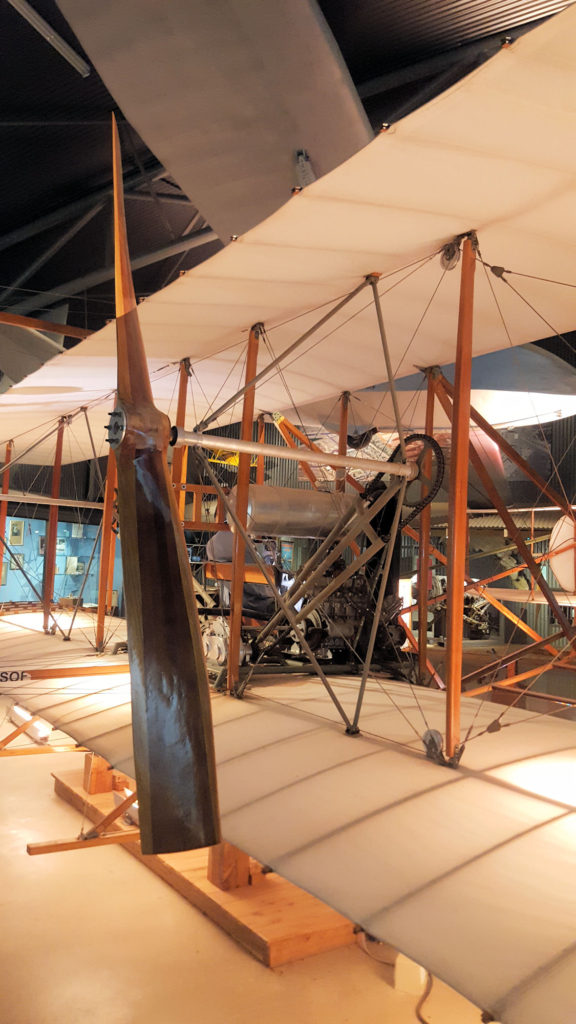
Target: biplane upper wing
496, 153
468, 872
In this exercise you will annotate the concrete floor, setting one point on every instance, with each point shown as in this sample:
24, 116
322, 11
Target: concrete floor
93, 936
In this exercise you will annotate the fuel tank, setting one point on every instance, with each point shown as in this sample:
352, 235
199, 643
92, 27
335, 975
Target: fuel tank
291, 512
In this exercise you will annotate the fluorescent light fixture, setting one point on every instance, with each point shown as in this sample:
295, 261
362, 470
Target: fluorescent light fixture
38, 730
52, 37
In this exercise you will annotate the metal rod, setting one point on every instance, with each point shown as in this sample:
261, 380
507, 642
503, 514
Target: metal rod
215, 443
93, 446
5, 485
242, 486
283, 604
84, 581
52, 531
180, 456
107, 536
457, 526
379, 603
374, 279
34, 590
284, 355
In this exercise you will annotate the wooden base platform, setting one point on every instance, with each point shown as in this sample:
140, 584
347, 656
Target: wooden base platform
273, 919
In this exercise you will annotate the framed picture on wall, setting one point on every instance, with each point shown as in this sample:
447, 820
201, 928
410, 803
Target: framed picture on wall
77, 529
16, 533
61, 545
71, 565
17, 562
42, 545
4, 574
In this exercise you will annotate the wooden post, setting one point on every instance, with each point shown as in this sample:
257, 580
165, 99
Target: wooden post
228, 867
180, 453
424, 547
342, 439
261, 439
106, 543
242, 485
52, 531
457, 520
5, 486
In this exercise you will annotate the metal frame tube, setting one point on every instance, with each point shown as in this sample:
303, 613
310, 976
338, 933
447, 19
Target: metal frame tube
315, 458
284, 605
5, 486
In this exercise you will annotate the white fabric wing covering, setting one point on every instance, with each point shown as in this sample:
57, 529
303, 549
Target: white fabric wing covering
496, 153
469, 871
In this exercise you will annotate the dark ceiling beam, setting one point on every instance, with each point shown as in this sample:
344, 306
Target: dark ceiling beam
164, 197
51, 251
75, 209
26, 11
478, 50
80, 284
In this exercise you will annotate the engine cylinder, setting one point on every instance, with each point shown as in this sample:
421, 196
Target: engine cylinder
291, 512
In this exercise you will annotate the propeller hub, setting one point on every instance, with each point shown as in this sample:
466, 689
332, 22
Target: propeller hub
116, 428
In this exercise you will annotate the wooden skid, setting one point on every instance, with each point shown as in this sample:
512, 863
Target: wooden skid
273, 919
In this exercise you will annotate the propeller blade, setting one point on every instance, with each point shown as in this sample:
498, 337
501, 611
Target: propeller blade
171, 717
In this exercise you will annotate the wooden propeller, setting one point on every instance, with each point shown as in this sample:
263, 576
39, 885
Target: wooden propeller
171, 718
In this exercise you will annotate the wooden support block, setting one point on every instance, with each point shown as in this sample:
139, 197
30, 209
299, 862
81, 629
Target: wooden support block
273, 919
228, 867
98, 776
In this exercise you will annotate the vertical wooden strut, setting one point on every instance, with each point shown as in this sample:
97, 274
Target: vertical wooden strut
52, 531
242, 485
106, 543
343, 439
180, 453
457, 521
424, 546
5, 486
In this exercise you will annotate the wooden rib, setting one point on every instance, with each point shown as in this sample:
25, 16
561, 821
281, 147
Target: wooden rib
61, 845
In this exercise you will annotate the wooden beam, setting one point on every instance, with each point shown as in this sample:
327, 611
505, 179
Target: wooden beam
106, 544
17, 732
457, 526
180, 454
15, 320
110, 818
61, 845
242, 485
5, 488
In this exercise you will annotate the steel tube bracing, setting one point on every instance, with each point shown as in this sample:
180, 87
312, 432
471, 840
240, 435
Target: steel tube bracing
215, 443
373, 281
284, 605
242, 485
458, 522
283, 355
